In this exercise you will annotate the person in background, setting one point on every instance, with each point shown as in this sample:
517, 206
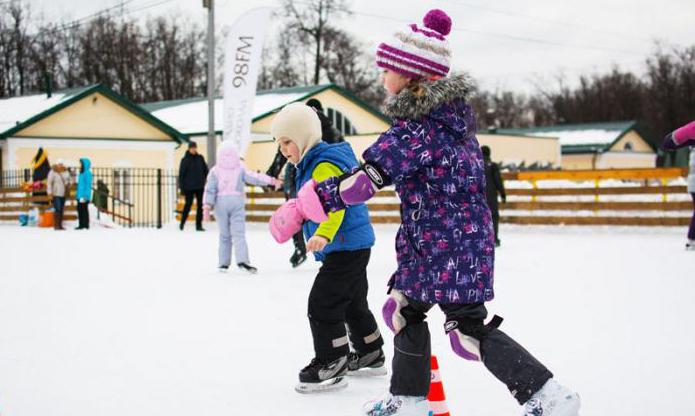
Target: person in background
224, 194
192, 173
329, 135
494, 187
682, 137
57, 188
84, 193
40, 167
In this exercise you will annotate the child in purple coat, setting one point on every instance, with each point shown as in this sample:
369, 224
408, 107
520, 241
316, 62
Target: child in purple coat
446, 244
682, 137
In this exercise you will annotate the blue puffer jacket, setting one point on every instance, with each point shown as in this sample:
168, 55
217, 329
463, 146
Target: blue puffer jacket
356, 231
84, 181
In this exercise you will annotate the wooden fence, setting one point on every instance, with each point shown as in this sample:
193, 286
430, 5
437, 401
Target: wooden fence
643, 197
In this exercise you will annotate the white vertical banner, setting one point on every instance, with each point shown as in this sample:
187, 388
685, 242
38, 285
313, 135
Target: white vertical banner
242, 62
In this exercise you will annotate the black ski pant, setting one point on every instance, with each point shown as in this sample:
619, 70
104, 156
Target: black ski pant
339, 298
198, 194
83, 214
502, 356
495, 211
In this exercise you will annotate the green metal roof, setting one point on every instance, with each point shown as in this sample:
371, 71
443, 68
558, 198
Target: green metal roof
73, 95
159, 105
611, 125
296, 94
621, 128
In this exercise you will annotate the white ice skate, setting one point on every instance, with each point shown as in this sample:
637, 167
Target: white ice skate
553, 400
690, 245
391, 405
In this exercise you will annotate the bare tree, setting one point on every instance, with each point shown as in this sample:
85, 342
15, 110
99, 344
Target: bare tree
311, 19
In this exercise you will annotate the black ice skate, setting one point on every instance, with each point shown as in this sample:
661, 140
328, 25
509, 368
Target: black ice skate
297, 258
247, 268
368, 364
320, 376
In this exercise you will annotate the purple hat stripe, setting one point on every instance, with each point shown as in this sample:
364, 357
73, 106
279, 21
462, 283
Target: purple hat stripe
409, 63
414, 58
429, 34
398, 69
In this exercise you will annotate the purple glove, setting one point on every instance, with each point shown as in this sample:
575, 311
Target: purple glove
357, 188
351, 189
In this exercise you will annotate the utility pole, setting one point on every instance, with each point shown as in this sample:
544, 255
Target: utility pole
212, 142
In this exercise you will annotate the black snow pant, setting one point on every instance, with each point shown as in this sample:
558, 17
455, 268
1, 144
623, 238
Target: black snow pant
504, 358
495, 211
83, 214
299, 244
339, 298
198, 194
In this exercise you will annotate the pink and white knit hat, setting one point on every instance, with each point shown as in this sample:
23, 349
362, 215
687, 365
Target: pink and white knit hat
419, 52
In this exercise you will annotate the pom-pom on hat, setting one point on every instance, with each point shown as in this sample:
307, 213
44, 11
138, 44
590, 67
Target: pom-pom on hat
419, 52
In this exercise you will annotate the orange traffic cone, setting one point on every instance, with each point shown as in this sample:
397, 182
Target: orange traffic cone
436, 395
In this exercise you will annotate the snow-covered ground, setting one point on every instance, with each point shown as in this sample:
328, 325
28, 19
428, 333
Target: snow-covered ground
139, 322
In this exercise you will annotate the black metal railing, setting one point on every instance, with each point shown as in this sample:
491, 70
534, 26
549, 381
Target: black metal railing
145, 197
131, 197
14, 178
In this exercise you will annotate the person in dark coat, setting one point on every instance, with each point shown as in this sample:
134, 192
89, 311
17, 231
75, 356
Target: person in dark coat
329, 135
40, 168
494, 187
192, 173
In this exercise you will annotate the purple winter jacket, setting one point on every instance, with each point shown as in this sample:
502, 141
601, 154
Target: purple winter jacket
445, 245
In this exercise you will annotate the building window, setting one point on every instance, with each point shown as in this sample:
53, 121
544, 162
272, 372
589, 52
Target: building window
122, 184
628, 147
341, 123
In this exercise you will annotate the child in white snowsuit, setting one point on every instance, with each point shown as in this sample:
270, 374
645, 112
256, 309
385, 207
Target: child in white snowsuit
224, 192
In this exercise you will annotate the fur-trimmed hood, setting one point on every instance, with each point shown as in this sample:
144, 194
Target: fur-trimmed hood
406, 105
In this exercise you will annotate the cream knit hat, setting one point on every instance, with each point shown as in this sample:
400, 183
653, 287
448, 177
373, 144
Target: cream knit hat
299, 123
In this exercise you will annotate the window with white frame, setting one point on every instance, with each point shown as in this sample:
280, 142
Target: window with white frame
122, 184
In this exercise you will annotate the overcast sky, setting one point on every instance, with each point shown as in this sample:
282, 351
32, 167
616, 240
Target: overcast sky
509, 44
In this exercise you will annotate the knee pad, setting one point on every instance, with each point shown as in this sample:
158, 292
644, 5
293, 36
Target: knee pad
465, 335
391, 311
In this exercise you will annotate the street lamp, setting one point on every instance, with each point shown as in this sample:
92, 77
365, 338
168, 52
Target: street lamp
210, 5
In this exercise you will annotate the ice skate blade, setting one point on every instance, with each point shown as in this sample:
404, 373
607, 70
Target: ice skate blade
369, 372
324, 386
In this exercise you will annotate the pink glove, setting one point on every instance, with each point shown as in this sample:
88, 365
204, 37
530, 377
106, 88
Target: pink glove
286, 221
685, 136
206, 213
309, 204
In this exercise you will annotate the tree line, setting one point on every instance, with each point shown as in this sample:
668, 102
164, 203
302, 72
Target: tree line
162, 58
